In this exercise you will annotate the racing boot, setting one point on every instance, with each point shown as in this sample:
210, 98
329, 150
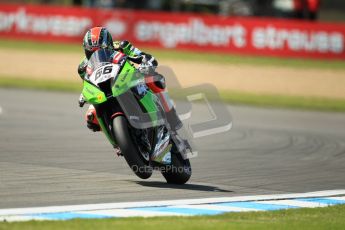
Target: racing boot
91, 119
173, 120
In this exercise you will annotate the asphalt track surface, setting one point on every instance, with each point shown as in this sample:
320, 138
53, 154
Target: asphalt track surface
49, 157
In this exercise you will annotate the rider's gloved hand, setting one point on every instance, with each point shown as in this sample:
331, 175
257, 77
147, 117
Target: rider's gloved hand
145, 69
81, 100
149, 60
148, 64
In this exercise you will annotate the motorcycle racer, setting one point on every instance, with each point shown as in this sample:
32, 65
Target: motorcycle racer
99, 37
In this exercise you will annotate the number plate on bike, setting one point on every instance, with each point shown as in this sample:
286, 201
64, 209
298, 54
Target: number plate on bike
104, 73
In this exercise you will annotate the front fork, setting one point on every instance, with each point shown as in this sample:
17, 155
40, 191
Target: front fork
107, 132
105, 113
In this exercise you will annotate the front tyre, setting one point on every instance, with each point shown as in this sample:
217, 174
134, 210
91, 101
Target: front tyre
129, 150
179, 171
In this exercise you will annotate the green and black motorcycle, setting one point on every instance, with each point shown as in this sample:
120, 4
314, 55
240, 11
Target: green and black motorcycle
132, 118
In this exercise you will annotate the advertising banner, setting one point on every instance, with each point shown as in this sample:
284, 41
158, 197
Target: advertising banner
233, 35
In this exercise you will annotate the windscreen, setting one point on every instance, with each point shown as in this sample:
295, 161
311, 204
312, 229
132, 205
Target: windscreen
100, 58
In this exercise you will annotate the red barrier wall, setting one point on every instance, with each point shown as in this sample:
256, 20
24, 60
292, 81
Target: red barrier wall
254, 36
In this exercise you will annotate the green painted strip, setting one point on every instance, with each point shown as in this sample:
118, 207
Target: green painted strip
232, 97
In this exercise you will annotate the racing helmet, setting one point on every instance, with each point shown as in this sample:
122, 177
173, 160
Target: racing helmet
97, 38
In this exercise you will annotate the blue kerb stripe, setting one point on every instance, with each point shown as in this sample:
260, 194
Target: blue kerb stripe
68, 216
323, 201
190, 211
258, 206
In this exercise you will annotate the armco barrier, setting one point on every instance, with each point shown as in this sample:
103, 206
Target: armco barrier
254, 36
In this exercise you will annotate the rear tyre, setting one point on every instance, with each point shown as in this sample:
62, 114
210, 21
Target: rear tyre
179, 171
129, 150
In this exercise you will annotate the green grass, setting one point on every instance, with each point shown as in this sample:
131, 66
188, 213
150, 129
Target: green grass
314, 218
280, 101
49, 85
186, 55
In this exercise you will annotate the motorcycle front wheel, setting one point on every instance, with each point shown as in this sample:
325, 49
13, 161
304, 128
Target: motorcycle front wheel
129, 149
179, 171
